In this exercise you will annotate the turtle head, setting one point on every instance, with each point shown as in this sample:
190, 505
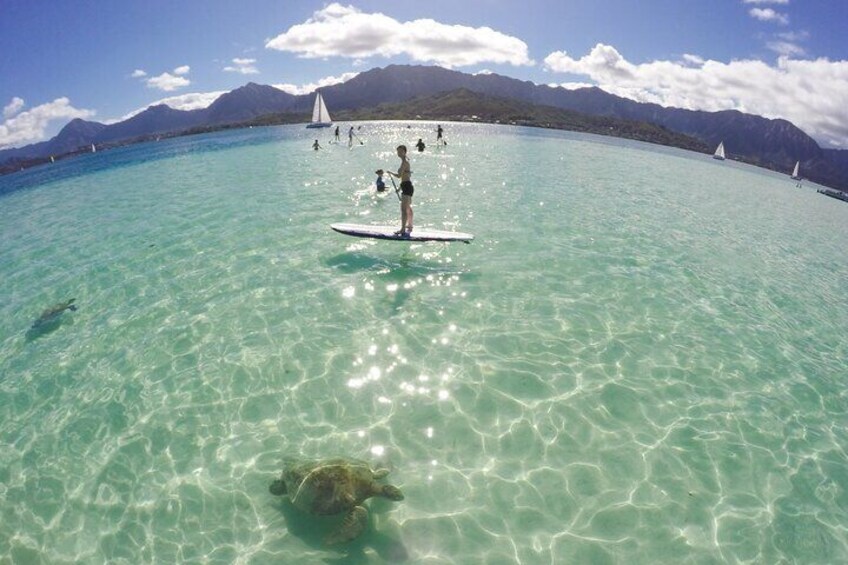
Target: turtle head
278, 487
391, 492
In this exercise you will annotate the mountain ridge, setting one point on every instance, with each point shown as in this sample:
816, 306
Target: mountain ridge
466, 105
247, 102
772, 143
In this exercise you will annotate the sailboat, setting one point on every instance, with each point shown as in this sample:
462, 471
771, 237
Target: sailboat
320, 116
796, 172
719, 152
93, 148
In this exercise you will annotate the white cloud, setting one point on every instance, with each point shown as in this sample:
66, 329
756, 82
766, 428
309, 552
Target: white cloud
693, 59
809, 93
29, 126
310, 87
794, 35
190, 101
242, 66
602, 60
571, 85
167, 82
344, 31
483, 72
768, 15
787, 45
786, 48
15, 106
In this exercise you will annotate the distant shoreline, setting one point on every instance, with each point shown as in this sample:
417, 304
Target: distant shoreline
18, 166
365, 116
355, 116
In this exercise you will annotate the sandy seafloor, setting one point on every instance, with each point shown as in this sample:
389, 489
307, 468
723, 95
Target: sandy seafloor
640, 358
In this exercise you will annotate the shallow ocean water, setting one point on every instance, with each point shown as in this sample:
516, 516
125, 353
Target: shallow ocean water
640, 358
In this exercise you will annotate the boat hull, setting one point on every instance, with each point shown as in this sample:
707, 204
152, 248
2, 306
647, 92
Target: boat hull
318, 125
838, 194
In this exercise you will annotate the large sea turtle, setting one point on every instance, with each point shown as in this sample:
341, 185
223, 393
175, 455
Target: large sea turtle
53, 313
334, 486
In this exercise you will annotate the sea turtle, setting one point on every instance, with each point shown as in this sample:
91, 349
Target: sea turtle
334, 486
53, 313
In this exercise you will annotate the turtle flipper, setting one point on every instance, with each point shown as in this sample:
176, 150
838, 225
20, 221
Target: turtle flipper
391, 492
380, 473
353, 525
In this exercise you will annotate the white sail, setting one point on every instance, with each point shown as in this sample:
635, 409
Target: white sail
320, 116
797, 170
325, 114
719, 152
316, 109
93, 148
319, 111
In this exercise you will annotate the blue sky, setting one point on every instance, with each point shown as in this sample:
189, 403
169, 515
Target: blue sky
103, 60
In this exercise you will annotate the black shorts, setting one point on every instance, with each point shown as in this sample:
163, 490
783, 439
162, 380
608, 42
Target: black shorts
406, 188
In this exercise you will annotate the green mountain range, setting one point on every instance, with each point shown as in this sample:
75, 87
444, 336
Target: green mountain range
410, 91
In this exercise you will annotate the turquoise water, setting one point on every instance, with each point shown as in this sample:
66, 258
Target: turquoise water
640, 359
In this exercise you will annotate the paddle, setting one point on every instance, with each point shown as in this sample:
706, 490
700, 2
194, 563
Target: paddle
394, 185
357, 139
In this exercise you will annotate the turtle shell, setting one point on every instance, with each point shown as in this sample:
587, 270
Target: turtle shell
55, 310
330, 486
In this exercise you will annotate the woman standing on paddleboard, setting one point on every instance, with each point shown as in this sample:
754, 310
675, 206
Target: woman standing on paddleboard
406, 190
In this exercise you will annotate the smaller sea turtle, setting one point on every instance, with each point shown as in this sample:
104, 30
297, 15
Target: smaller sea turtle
53, 313
334, 486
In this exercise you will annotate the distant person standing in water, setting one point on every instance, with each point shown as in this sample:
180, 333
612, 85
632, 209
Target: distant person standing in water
439, 132
337, 134
350, 137
420, 145
404, 173
315, 145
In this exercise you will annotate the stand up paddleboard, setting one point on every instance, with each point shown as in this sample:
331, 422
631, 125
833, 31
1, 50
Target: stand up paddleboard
388, 232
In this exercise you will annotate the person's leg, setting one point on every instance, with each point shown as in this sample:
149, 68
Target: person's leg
402, 215
407, 201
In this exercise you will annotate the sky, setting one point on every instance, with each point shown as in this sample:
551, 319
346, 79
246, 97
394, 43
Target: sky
104, 60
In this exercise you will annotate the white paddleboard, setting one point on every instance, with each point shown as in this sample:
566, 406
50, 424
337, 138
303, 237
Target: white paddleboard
388, 232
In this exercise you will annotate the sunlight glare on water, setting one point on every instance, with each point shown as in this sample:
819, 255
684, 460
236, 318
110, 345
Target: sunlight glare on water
639, 359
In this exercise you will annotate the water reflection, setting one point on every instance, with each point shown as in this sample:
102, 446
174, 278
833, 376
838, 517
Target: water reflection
409, 264
399, 277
